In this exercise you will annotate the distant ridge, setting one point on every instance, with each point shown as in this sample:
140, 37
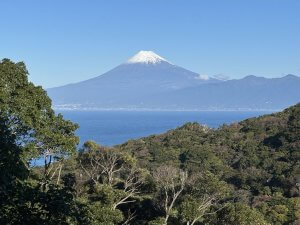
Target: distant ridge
248, 93
148, 81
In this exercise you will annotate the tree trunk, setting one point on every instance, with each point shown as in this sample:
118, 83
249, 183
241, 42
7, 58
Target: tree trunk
166, 219
59, 172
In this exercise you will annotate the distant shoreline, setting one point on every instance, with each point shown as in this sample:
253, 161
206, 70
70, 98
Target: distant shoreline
163, 110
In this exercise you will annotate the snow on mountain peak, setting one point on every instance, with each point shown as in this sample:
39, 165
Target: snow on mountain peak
147, 57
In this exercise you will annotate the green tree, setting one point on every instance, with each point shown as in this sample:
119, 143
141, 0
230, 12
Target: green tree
203, 194
113, 179
240, 214
28, 128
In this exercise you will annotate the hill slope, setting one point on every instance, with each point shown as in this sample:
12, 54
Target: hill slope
265, 143
258, 157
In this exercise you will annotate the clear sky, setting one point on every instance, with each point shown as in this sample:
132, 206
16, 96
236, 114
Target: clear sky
65, 41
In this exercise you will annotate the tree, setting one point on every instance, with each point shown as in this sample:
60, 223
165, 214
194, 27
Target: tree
26, 109
240, 214
171, 182
115, 178
55, 142
27, 125
192, 210
203, 193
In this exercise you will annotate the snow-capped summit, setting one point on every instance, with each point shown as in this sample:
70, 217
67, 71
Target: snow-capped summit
147, 57
148, 81
145, 76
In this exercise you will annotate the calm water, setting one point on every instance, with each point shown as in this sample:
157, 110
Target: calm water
115, 127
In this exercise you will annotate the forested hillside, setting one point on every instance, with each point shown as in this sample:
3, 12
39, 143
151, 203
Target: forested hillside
246, 173
257, 161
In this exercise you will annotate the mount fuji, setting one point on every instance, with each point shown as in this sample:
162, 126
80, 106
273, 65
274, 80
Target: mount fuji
144, 75
149, 81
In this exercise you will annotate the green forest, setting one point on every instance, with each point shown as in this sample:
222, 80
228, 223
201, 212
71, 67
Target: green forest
245, 173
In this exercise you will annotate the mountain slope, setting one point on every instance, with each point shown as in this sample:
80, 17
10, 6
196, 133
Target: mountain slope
148, 81
126, 85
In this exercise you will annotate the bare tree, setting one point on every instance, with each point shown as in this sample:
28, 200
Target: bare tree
105, 163
206, 191
108, 166
52, 169
132, 182
195, 209
172, 182
130, 217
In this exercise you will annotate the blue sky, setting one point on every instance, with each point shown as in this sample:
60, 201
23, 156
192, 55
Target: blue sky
64, 41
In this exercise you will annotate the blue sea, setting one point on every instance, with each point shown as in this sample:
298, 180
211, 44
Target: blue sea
115, 127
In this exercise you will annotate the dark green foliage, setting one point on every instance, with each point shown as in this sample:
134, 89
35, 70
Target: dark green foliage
29, 128
238, 173
259, 157
246, 173
240, 214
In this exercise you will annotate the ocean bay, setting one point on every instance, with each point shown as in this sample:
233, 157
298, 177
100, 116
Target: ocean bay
115, 127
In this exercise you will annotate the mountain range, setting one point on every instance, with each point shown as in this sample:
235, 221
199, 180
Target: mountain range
148, 81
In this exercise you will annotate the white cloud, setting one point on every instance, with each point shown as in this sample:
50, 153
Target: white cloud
202, 77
